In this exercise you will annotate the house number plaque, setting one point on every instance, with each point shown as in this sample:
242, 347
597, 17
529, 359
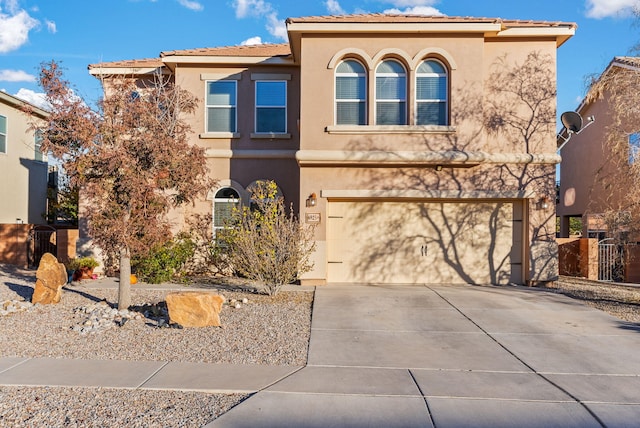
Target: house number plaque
312, 218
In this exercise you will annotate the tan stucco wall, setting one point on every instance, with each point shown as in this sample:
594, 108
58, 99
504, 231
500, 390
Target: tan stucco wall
474, 60
23, 194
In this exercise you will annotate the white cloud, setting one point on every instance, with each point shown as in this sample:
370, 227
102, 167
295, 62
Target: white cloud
16, 76
277, 27
193, 5
416, 10
246, 8
604, 8
334, 7
262, 9
35, 98
15, 25
51, 26
257, 40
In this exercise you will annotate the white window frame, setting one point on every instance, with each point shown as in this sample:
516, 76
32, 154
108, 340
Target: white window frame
236, 201
221, 106
337, 100
37, 146
389, 101
257, 107
444, 75
5, 134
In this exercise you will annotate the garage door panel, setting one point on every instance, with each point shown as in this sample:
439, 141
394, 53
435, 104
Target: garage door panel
419, 242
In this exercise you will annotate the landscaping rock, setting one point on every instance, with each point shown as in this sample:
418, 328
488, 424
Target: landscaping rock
194, 308
50, 277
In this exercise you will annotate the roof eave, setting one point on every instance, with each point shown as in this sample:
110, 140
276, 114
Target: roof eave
125, 71
171, 61
20, 104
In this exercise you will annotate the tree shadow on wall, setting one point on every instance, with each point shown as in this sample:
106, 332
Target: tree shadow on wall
465, 223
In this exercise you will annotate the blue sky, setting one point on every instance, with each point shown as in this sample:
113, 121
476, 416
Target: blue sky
81, 32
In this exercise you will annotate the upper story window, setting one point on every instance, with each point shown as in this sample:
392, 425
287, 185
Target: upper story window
351, 90
3, 134
634, 147
37, 144
391, 93
271, 107
431, 93
221, 106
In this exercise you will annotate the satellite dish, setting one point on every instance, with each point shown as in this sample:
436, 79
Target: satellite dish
572, 121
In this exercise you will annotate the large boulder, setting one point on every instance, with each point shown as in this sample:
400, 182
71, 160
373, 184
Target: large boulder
194, 308
50, 277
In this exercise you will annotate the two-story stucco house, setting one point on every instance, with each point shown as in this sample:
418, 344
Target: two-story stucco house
398, 136
23, 167
590, 166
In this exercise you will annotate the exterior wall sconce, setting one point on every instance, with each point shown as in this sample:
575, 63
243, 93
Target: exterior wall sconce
543, 203
438, 167
311, 200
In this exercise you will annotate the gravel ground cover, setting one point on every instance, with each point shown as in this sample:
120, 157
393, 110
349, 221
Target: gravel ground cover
264, 330
618, 300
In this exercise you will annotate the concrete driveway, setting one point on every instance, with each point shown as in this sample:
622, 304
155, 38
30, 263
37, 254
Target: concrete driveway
455, 356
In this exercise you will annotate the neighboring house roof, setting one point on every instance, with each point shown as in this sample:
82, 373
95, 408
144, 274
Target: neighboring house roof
21, 104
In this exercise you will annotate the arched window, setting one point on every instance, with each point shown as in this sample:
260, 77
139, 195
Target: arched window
351, 93
431, 93
391, 93
225, 201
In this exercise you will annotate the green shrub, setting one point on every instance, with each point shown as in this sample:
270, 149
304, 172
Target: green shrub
81, 262
165, 262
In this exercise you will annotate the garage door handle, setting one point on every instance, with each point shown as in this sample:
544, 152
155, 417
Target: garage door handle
423, 250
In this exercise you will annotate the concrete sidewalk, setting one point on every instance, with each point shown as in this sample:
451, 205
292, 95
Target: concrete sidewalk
414, 356
458, 356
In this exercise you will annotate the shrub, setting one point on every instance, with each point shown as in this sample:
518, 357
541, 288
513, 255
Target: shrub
165, 262
81, 262
265, 243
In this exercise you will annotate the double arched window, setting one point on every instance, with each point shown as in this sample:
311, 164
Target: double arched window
351, 93
428, 102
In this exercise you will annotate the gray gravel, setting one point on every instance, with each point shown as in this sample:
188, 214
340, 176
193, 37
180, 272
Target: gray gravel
98, 407
264, 330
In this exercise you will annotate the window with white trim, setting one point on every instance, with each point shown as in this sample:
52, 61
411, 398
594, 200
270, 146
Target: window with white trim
224, 202
271, 107
351, 93
37, 144
634, 147
431, 93
3, 134
221, 106
391, 93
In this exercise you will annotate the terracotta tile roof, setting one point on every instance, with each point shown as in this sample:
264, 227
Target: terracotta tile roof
633, 61
263, 50
392, 18
134, 63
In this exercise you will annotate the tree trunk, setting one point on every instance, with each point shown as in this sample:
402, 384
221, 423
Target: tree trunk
124, 290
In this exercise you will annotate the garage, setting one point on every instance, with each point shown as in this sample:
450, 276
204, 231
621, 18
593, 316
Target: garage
425, 242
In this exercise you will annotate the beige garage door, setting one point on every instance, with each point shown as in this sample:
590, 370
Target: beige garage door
476, 242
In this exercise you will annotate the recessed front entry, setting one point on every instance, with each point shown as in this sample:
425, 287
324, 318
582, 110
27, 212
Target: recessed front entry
425, 242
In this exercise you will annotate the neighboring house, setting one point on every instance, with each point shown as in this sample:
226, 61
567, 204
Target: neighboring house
589, 167
23, 167
393, 135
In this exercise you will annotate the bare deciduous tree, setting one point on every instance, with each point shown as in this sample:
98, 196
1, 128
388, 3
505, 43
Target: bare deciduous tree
616, 191
130, 157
